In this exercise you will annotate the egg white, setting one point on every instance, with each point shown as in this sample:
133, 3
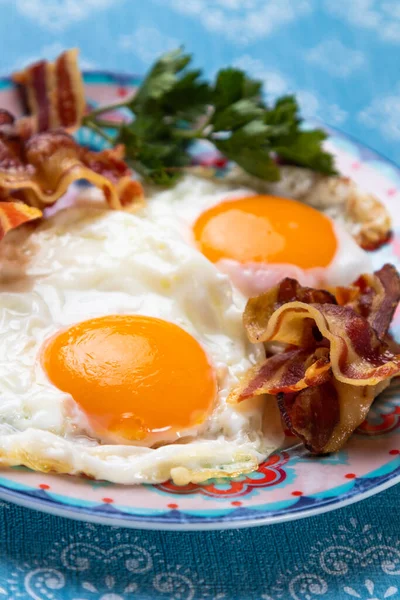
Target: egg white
87, 262
177, 210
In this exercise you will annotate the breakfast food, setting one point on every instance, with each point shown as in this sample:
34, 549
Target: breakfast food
126, 354
117, 341
14, 214
53, 94
41, 168
258, 239
335, 357
361, 213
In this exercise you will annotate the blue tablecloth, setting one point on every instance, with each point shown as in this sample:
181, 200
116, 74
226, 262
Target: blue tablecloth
341, 57
350, 553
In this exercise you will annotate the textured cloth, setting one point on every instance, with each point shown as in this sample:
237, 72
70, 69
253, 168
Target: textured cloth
331, 52
350, 553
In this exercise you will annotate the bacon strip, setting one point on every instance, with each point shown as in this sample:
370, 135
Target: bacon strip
325, 416
377, 297
14, 214
336, 357
286, 372
312, 414
44, 166
6, 118
53, 92
357, 355
37, 168
260, 309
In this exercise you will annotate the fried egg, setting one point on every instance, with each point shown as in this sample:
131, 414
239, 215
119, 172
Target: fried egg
119, 346
259, 239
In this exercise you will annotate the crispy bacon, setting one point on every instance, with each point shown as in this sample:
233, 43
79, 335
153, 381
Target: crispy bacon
38, 168
53, 93
336, 357
286, 372
260, 309
6, 118
312, 414
377, 297
43, 167
13, 214
357, 355
325, 416
14, 129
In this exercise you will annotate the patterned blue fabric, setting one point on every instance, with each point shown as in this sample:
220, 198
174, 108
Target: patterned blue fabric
350, 553
341, 58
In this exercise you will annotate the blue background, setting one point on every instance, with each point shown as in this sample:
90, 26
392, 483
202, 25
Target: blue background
340, 56
342, 59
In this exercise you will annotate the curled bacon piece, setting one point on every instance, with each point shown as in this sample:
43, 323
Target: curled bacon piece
39, 159
321, 404
13, 214
6, 118
42, 168
375, 297
53, 93
335, 358
326, 415
287, 372
260, 309
357, 355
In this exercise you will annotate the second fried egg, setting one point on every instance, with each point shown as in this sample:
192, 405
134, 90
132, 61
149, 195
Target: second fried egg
258, 239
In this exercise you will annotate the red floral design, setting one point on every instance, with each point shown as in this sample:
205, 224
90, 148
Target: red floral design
211, 159
269, 473
388, 422
122, 92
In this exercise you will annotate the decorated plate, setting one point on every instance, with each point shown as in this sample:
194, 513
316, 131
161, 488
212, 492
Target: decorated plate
290, 484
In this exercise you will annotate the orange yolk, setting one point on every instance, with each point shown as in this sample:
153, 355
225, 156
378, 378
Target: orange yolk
134, 376
266, 229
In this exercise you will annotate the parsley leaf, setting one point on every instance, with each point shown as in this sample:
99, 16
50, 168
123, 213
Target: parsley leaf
175, 106
294, 145
237, 114
248, 147
305, 151
160, 80
152, 151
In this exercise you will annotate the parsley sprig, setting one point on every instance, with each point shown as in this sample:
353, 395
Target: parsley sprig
175, 106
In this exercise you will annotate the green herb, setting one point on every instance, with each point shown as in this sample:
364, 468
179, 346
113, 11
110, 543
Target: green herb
174, 106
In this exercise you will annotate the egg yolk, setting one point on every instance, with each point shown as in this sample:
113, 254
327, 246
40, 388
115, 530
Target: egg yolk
132, 375
266, 229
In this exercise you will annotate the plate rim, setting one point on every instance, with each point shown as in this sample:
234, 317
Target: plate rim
145, 522
83, 514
